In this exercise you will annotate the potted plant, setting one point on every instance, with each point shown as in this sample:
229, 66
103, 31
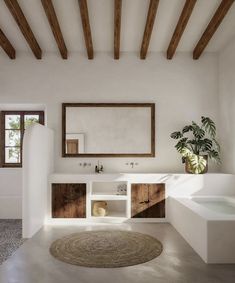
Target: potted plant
196, 143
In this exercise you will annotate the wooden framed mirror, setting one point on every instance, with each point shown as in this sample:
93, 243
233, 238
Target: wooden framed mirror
108, 129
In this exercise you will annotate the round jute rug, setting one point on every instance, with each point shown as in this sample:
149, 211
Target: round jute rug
106, 249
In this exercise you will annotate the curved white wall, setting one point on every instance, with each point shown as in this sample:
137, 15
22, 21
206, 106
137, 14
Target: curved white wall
38, 160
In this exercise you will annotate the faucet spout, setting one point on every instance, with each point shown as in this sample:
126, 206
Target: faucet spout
99, 168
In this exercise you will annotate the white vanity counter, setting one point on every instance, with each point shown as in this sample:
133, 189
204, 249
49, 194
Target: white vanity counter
131, 177
176, 184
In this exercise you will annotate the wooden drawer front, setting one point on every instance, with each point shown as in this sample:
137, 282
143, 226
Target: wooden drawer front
147, 200
68, 200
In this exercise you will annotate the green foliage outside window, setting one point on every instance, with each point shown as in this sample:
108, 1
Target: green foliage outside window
15, 137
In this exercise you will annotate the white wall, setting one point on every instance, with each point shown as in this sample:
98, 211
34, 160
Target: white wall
227, 106
183, 89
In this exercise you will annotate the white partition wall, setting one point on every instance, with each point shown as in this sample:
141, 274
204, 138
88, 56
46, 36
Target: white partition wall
38, 163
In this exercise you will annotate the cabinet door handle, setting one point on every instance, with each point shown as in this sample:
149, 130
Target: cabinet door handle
146, 201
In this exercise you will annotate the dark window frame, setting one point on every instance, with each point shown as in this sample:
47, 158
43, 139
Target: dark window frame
22, 129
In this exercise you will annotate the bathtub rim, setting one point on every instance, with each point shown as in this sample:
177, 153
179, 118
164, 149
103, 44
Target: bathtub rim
204, 212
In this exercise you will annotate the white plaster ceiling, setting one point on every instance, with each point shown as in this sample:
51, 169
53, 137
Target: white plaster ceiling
133, 21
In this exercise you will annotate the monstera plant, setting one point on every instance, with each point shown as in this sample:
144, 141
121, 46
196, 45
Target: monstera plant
196, 143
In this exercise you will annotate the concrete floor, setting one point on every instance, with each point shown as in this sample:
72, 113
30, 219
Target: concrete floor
32, 262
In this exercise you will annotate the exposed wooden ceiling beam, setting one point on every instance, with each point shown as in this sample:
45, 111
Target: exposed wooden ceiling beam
86, 28
22, 23
153, 5
212, 27
180, 27
6, 45
117, 27
55, 27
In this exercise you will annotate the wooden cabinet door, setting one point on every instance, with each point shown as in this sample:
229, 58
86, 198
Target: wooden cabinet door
147, 200
139, 200
68, 200
156, 201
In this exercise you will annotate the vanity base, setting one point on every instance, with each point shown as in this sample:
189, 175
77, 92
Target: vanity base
127, 200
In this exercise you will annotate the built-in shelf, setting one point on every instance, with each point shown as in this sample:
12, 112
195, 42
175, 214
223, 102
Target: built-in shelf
107, 188
117, 200
112, 214
108, 197
116, 207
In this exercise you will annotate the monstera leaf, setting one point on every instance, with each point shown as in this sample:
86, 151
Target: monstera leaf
217, 146
197, 131
181, 144
176, 135
187, 129
209, 126
197, 163
185, 152
206, 145
214, 155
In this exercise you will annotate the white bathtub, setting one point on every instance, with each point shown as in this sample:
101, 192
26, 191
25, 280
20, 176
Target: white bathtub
208, 225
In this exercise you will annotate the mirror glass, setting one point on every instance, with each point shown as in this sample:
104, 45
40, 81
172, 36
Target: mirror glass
108, 129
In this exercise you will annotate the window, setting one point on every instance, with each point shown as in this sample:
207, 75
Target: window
13, 125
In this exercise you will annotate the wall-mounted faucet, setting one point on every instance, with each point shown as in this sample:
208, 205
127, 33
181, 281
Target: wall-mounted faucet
132, 164
99, 168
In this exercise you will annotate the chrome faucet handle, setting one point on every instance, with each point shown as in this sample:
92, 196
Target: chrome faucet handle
132, 164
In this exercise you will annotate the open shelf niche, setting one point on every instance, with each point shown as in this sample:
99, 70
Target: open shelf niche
115, 194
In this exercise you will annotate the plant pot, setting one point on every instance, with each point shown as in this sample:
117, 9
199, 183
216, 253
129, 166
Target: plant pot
189, 170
